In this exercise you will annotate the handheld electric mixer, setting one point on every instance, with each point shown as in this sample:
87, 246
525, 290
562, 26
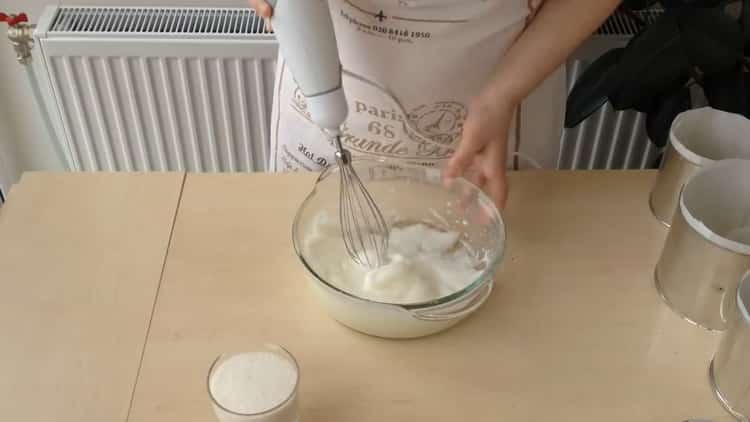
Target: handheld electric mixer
307, 42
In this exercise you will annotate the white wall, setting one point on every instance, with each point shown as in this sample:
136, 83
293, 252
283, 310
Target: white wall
8, 169
24, 141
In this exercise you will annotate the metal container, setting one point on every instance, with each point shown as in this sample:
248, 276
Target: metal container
708, 247
697, 138
729, 372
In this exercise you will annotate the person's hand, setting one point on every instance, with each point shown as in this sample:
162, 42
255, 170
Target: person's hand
263, 10
482, 152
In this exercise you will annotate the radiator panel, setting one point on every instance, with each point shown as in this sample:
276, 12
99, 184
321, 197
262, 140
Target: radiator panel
168, 101
151, 21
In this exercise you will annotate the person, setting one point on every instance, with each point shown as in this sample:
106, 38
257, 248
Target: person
435, 82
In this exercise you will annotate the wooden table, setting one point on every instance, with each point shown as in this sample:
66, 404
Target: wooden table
81, 257
574, 331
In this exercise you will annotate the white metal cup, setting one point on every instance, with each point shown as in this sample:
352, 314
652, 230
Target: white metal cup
707, 250
697, 138
730, 368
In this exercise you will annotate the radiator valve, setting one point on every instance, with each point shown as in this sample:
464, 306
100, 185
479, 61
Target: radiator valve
21, 35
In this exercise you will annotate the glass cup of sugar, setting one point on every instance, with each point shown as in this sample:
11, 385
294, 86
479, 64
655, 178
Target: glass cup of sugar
258, 386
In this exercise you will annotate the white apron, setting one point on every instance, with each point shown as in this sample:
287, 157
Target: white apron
433, 56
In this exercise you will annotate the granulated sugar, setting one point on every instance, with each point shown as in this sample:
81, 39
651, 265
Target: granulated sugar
253, 382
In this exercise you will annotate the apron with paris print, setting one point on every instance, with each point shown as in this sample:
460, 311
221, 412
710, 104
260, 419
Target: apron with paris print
411, 68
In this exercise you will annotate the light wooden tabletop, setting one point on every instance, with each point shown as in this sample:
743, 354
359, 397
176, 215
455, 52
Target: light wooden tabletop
80, 261
574, 331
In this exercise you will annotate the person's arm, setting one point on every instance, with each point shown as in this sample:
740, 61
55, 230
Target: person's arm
554, 33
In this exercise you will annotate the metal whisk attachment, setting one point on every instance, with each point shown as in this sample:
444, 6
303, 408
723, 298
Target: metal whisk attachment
363, 227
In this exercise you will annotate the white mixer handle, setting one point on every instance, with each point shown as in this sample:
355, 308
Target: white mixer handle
307, 41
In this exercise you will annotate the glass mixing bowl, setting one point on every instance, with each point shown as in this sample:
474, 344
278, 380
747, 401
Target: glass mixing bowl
407, 194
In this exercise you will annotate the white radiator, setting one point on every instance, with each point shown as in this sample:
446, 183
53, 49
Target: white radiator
159, 88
